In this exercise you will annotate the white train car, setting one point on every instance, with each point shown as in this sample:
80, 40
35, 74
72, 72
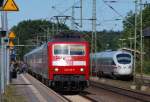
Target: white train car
115, 63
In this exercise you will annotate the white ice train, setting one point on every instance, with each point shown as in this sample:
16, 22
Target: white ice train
114, 63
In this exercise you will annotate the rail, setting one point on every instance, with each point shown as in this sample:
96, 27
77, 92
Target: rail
125, 92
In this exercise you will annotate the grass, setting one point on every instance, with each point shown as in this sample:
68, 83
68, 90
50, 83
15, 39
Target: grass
146, 67
11, 95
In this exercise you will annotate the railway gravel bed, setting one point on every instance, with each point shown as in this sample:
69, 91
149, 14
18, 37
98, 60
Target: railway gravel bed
119, 89
92, 94
102, 95
77, 96
123, 83
95, 94
145, 79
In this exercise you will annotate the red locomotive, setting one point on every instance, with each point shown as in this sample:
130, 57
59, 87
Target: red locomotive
62, 63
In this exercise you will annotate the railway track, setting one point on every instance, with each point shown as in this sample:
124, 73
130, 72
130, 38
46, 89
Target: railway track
88, 95
61, 96
82, 97
125, 92
76, 97
146, 79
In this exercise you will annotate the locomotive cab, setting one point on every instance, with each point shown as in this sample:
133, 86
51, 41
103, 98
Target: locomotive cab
124, 64
113, 63
69, 65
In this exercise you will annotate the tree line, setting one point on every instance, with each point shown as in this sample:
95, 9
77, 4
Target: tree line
128, 32
36, 32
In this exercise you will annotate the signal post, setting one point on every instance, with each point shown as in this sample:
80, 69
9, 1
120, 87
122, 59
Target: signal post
12, 37
5, 5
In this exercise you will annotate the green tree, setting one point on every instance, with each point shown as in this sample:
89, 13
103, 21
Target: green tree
128, 23
128, 31
105, 39
27, 32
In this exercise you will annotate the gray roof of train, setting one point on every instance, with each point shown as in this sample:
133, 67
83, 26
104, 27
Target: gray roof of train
108, 54
36, 49
55, 40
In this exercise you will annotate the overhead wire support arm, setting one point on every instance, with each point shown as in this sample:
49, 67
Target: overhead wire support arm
24, 45
112, 1
61, 19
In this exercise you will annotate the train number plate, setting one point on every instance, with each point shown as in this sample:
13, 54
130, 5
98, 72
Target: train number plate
69, 69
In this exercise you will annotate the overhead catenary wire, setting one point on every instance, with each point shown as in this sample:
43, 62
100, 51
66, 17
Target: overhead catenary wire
71, 18
117, 12
67, 9
113, 9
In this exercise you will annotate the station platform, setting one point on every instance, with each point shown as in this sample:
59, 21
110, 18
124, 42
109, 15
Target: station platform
34, 91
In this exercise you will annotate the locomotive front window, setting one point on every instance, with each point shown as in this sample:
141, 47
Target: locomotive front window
61, 50
77, 50
124, 58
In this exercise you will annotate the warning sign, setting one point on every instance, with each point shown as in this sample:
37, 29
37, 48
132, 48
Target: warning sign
11, 44
10, 5
12, 35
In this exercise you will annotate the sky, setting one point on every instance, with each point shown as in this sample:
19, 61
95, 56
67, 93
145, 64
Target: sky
45, 9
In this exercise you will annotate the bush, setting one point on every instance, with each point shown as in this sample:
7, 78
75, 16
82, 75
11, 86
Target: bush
146, 66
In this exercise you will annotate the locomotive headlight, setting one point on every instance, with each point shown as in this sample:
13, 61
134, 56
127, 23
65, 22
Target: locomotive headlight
130, 67
82, 69
56, 69
119, 67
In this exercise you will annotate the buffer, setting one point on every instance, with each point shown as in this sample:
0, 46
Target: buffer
10, 5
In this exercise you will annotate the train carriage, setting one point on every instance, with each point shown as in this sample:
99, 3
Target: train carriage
114, 63
63, 62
